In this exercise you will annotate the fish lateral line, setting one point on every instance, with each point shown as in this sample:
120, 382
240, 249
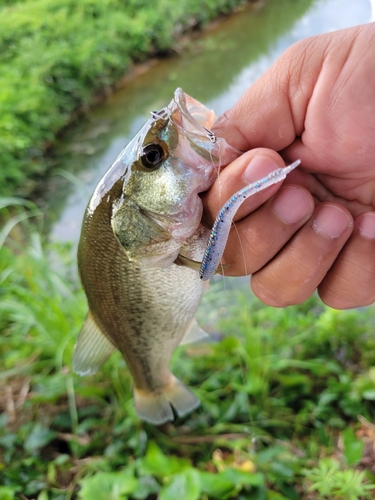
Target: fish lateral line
220, 230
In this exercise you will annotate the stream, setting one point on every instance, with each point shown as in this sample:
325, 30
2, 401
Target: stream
215, 67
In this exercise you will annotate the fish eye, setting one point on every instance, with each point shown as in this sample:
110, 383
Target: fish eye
152, 155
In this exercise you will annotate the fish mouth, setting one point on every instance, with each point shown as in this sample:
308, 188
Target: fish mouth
202, 154
195, 119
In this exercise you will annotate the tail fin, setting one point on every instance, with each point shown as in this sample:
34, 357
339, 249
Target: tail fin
155, 407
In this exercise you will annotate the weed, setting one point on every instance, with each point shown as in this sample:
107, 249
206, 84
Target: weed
281, 391
56, 55
331, 482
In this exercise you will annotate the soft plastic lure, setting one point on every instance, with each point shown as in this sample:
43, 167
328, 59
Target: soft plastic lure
220, 230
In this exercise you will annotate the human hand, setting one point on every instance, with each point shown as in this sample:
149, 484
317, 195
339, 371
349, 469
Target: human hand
316, 103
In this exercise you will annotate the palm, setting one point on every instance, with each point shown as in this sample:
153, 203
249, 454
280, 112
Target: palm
337, 136
315, 103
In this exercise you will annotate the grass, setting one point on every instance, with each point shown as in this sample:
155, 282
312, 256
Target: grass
57, 56
287, 398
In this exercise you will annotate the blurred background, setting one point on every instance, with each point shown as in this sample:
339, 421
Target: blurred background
215, 67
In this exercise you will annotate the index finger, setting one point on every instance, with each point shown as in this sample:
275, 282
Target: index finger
271, 113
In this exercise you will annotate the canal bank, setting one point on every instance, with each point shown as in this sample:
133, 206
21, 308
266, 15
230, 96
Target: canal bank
58, 57
215, 67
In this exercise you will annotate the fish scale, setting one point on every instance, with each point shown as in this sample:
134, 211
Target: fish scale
140, 327
141, 242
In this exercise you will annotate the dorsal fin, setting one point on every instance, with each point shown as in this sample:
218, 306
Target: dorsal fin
92, 348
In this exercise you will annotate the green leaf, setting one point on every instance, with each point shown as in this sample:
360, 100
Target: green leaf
6, 493
39, 437
146, 486
369, 395
49, 389
8, 201
281, 470
353, 447
274, 495
241, 478
227, 483
216, 485
155, 463
183, 486
108, 486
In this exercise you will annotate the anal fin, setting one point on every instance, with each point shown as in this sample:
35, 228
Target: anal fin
92, 348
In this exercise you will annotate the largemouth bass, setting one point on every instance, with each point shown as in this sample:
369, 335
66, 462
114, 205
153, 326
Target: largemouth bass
140, 234
142, 244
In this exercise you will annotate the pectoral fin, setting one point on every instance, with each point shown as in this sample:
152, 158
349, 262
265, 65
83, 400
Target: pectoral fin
92, 348
186, 262
181, 260
135, 229
194, 334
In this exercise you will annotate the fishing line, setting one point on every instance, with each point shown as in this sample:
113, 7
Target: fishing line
218, 168
242, 248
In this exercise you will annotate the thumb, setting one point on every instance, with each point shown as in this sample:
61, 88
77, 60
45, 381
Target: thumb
272, 111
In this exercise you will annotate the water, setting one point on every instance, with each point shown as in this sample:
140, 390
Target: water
215, 68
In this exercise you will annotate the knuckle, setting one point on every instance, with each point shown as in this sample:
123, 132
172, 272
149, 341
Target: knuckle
254, 243
343, 294
275, 293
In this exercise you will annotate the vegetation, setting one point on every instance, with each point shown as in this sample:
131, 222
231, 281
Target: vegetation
56, 55
287, 398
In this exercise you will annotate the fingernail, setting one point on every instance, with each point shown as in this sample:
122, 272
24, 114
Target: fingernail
292, 204
331, 221
366, 225
260, 166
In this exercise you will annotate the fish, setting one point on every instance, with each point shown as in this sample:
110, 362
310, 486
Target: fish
140, 243
144, 255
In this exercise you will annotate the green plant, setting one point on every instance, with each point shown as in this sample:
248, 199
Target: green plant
331, 482
276, 398
56, 55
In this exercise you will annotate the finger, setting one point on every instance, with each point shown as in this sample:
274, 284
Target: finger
257, 238
320, 191
272, 111
293, 275
297, 97
250, 167
351, 280
338, 120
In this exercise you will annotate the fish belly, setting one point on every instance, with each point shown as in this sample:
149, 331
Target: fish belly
145, 313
